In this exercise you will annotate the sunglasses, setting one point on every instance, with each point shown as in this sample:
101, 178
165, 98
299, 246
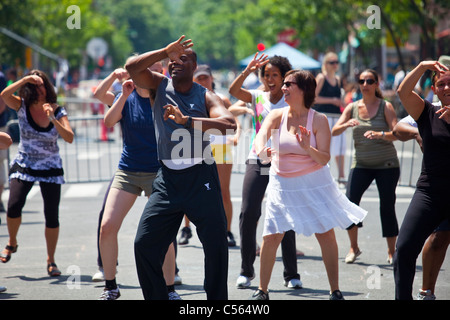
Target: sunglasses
369, 81
289, 83
333, 62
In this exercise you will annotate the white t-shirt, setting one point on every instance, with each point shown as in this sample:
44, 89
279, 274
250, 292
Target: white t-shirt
261, 106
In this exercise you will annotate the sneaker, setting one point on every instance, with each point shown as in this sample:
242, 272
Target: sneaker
186, 234
260, 295
177, 280
425, 295
336, 295
113, 294
243, 282
98, 276
231, 241
173, 295
294, 283
2, 289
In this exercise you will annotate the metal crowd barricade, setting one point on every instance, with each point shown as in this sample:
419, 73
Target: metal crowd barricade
409, 154
92, 157
94, 154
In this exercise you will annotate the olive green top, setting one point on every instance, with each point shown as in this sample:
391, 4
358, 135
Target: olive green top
377, 153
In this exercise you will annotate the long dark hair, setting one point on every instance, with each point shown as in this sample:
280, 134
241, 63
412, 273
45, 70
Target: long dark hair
378, 93
28, 92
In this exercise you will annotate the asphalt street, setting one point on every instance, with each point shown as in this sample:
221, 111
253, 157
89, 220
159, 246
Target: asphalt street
25, 276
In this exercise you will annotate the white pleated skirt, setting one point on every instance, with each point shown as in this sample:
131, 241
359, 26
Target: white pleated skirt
308, 204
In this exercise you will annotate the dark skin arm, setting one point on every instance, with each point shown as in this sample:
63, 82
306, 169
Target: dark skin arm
220, 118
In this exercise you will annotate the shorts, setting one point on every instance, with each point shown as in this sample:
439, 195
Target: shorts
222, 153
134, 182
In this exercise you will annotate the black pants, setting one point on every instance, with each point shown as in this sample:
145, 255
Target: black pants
428, 208
195, 192
386, 179
51, 194
255, 183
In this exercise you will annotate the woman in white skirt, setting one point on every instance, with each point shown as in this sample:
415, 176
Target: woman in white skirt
301, 195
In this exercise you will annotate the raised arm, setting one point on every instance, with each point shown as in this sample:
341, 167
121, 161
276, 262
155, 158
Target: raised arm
236, 89
8, 96
138, 66
102, 92
411, 101
114, 114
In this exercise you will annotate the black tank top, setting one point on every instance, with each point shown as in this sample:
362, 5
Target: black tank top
328, 91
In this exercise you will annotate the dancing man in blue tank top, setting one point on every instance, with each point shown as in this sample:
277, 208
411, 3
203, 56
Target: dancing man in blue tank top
187, 182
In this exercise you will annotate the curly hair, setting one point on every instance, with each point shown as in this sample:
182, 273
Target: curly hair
28, 92
281, 63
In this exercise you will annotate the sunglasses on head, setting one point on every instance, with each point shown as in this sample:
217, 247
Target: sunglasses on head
289, 83
333, 62
369, 81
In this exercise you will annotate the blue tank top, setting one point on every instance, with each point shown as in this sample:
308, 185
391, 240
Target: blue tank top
139, 141
173, 140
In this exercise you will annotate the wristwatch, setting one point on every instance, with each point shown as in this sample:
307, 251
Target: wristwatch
188, 123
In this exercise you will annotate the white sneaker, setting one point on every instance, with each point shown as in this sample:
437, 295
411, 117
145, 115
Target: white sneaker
294, 283
98, 276
243, 282
2, 289
425, 295
178, 280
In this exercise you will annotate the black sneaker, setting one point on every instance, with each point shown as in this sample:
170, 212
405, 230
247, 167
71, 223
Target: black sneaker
186, 234
260, 295
336, 295
231, 241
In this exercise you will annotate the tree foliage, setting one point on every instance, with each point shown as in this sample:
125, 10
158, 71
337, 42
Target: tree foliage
223, 31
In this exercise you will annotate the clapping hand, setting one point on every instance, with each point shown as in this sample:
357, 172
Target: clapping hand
265, 155
304, 137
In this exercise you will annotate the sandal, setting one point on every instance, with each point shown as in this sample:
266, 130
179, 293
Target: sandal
52, 270
6, 257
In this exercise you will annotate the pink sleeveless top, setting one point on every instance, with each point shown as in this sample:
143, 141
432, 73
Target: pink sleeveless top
290, 159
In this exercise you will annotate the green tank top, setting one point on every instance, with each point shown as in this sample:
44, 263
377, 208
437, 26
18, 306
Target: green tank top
372, 154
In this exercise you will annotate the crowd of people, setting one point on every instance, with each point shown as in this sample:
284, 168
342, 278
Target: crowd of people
293, 142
